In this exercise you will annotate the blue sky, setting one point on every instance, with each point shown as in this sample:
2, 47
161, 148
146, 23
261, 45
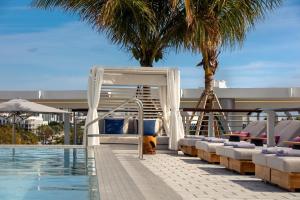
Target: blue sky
53, 50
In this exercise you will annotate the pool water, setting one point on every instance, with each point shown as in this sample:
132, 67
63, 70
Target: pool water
44, 174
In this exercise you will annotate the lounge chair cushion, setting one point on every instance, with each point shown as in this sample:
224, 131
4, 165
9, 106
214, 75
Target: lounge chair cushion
207, 146
188, 141
223, 150
242, 153
284, 164
115, 126
183, 141
260, 158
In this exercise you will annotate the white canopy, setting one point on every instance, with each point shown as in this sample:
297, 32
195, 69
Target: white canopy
168, 80
24, 106
19, 106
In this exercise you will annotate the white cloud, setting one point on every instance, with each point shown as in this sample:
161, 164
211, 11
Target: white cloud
44, 82
263, 65
262, 74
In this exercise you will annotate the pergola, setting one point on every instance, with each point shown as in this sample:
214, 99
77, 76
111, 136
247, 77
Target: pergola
166, 79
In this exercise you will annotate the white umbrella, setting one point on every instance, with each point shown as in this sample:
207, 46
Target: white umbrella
24, 106
20, 106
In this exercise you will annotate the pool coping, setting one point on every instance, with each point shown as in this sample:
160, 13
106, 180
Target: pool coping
121, 175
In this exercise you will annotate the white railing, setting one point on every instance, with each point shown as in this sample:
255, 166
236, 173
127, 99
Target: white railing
140, 125
237, 119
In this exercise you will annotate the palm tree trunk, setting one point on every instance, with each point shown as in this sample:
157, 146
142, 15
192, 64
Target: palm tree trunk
209, 81
210, 65
146, 62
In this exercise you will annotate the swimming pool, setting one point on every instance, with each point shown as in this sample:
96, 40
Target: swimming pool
47, 173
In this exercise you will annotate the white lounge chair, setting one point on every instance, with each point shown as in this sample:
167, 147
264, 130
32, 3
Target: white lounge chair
187, 144
240, 159
206, 150
283, 171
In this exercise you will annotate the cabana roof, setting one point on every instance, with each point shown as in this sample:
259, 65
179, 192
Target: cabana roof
135, 76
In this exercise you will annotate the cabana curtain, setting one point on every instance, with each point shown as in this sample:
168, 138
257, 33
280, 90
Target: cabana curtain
165, 108
176, 130
94, 87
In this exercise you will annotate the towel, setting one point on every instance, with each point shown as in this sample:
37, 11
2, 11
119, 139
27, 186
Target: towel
245, 145
232, 143
288, 152
195, 136
216, 140
209, 139
269, 150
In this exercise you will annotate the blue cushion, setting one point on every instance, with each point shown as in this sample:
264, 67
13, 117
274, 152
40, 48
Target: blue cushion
149, 126
113, 126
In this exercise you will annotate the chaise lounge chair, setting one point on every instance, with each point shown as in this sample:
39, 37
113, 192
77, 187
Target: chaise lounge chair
282, 168
187, 144
239, 158
207, 149
279, 165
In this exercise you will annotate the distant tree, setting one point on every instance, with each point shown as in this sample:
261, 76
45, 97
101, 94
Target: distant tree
45, 133
59, 139
22, 136
56, 127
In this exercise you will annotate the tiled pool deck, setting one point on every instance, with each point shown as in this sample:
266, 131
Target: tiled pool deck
167, 175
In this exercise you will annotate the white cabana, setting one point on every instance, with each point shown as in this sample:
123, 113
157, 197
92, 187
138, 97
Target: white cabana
167, 80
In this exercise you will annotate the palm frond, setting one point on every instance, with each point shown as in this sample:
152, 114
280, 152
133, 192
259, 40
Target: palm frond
225, 23
146, 28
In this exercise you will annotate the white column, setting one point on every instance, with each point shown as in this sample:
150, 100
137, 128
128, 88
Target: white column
66, 128
233, 121
211, 131
270, 129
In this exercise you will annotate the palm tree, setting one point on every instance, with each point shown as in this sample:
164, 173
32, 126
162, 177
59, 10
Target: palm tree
217, 24
146, 28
